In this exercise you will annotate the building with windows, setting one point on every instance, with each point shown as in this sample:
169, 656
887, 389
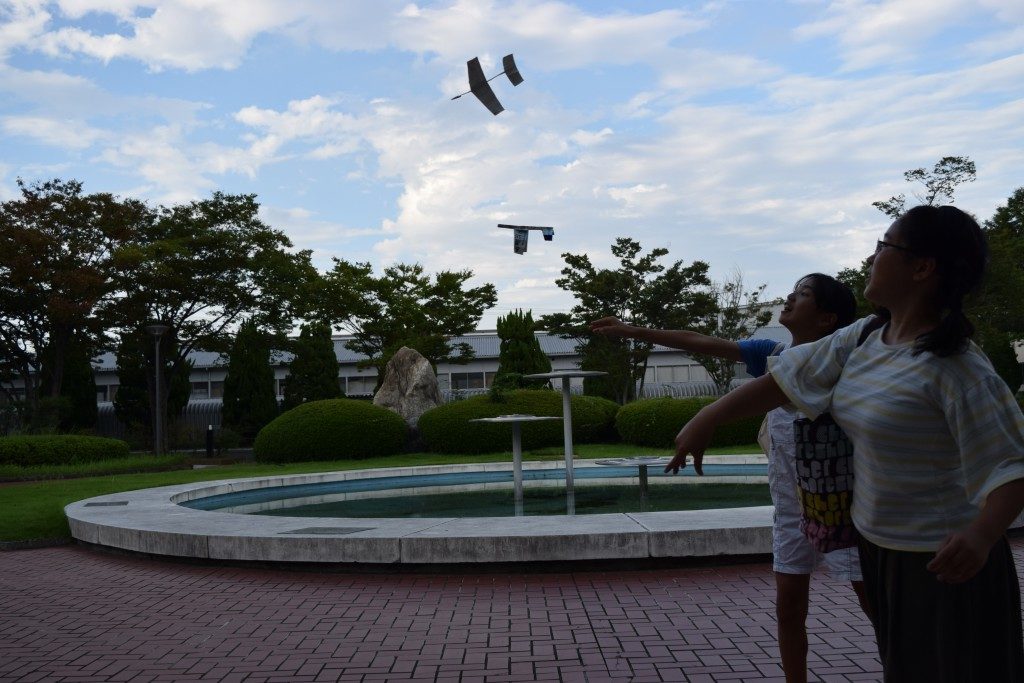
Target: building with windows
666, 366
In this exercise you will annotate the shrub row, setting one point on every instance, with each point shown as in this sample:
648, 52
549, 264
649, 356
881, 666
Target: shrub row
333, 429
656, 421
339, 429
28, 451
447, 428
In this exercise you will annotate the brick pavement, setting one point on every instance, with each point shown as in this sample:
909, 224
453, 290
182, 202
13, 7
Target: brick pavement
73, 614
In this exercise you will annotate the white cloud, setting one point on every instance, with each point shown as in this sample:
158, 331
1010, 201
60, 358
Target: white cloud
50, 131
882, 32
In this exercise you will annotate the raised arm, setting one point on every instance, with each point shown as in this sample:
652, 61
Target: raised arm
756, 397
685, 340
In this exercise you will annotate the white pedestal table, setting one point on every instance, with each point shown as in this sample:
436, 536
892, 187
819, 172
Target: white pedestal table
517, 449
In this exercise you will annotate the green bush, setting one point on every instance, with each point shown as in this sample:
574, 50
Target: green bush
332, 429
656, 421
28, 451
447, 428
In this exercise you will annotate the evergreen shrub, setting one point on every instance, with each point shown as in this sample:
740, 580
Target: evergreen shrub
656, 421
60, 449
447, 428
332, 429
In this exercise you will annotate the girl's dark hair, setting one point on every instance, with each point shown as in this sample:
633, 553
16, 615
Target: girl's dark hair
832, 296
955, 240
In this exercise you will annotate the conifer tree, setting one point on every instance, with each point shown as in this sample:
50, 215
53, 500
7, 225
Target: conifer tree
250, 401
313, 372
520, 352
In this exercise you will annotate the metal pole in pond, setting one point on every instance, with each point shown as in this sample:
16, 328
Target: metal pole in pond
567, 431
517, 466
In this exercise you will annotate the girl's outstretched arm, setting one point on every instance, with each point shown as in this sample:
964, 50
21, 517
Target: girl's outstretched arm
686, 340
756, 397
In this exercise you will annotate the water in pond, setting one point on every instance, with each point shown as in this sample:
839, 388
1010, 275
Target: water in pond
489, 494
540, 501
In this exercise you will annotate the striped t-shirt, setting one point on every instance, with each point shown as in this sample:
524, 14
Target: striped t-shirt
932, 436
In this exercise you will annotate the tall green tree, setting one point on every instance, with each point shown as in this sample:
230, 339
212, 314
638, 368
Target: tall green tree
313, 372
202, 268
642, 291
136, 377
250, 401
404, 306
60, 250
939, 185
520, 353
740, 313
997, 310
78, 388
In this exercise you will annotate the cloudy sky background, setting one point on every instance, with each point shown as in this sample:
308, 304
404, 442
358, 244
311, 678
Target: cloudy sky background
753, 135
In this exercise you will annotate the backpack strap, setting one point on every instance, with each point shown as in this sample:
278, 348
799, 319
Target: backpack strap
875, 323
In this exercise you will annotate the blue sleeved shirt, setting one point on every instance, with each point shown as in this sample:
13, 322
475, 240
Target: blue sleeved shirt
755, 354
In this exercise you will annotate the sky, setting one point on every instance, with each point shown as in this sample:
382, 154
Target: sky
750, 134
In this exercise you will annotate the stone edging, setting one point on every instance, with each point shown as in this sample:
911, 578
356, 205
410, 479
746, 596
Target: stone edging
150, 521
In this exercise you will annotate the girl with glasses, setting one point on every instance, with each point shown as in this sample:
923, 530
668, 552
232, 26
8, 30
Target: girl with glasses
939, 453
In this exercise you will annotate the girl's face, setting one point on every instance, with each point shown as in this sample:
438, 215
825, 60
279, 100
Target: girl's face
801, 309
890, 269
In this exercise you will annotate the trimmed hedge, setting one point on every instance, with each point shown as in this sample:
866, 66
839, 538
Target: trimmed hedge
333, 429
656, 421
447, 428
59, 449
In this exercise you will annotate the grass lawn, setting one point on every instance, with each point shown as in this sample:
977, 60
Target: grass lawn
35, 510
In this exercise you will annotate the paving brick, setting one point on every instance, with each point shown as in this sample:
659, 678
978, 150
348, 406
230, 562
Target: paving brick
74, 614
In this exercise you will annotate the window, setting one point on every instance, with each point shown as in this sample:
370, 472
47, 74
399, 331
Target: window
281, 383
673, 373
467, 380
101, 393
111, 392
489, 378
200, 390
361, 386
216, 389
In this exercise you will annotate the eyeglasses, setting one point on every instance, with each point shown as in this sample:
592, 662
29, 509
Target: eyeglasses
879, 244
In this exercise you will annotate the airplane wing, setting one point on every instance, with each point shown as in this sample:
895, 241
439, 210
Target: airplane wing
481, 88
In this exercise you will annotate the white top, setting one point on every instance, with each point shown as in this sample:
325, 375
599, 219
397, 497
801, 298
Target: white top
933, 436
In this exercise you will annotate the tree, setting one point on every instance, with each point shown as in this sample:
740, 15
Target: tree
78, 388
520, 353
313, 372
59, 252
403, 307
940, 185
136, 377
202, 268
740, 314
250, 401
641, 291
997, 309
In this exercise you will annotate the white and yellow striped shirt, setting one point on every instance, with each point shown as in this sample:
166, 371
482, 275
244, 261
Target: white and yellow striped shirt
932, 436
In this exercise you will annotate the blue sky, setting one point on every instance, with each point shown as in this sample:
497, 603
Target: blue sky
753, 134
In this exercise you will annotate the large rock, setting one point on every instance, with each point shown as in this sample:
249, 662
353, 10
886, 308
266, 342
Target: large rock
409, 387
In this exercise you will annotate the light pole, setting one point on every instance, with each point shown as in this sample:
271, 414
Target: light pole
157, 330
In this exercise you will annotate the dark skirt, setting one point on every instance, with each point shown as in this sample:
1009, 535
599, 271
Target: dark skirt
937, 632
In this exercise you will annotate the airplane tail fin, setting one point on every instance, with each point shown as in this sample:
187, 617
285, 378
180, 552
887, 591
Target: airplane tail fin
510, 70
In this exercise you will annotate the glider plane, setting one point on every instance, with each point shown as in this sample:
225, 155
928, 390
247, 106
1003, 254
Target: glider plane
480, 86
521, 233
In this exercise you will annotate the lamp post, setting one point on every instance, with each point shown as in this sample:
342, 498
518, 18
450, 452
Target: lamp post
157, 330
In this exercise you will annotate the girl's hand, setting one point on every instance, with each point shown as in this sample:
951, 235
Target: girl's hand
692, 439
960, 557
610, 327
